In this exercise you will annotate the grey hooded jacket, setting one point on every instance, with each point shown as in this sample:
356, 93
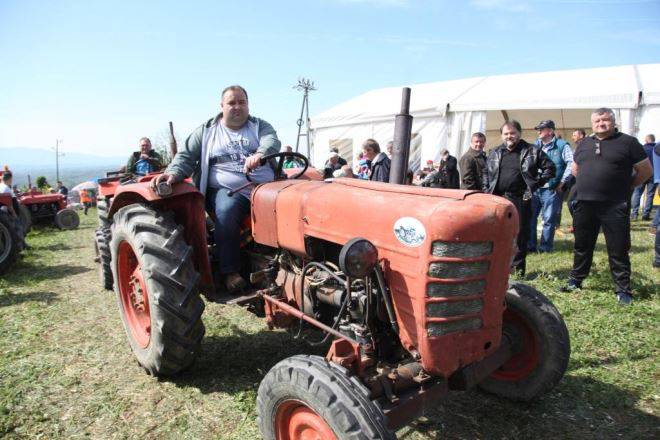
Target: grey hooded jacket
193, 158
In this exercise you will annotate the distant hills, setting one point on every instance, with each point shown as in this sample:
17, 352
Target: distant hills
74, 167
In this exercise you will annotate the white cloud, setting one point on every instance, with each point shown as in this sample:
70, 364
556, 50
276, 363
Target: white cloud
502, 5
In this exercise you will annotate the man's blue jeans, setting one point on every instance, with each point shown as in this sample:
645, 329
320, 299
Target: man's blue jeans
547, 203
649, 187
230, 212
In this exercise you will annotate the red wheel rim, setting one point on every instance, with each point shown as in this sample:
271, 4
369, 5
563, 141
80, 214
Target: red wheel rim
296, 421
133, 294
526, 360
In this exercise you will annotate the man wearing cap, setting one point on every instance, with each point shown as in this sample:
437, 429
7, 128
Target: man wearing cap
547, 200
218, 154
607, 166
515, 169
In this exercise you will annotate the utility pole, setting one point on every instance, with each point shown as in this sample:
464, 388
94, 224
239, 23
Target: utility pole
57, 159
304, 85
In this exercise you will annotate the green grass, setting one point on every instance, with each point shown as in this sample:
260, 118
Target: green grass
66, 370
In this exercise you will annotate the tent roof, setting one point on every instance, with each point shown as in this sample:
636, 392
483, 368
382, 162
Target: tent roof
616, 87
428, 99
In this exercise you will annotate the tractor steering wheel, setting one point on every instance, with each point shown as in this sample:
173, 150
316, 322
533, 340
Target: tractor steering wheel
280, 163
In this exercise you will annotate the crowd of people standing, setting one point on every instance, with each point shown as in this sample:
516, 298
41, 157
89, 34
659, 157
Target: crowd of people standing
604, 176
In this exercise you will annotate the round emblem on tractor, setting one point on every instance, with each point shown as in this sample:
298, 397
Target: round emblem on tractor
410, 231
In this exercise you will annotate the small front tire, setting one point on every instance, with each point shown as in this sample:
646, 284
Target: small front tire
540, 338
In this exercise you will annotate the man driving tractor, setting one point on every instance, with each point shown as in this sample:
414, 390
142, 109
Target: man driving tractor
217, 155
145, 161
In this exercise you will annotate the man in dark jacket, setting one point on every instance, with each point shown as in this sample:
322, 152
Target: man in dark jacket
144, 161
380, 163
449, 170
515, 170
473, 164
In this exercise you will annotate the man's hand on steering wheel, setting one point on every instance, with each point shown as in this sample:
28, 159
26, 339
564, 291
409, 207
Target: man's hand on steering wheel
252, 162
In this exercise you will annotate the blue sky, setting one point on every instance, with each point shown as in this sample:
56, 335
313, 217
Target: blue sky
101, 74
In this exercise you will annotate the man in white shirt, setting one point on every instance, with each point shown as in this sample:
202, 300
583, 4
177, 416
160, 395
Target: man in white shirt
217, 155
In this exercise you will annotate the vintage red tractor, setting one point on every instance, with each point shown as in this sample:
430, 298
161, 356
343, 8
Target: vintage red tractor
410, 286
49, 206
12, 231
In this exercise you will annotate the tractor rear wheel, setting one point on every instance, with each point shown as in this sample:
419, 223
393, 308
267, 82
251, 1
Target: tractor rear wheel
307, 397
26, 218
11, 240
541, 346
102, 238
102, 210
156, 286
67, 219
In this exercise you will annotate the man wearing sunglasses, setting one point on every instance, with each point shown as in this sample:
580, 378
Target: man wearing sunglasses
607, 165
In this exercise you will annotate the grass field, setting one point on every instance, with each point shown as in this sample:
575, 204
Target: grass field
66, 370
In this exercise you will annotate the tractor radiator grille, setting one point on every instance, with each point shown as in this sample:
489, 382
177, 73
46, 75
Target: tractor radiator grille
464, 299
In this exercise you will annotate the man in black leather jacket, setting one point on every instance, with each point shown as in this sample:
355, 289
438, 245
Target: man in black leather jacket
515, 169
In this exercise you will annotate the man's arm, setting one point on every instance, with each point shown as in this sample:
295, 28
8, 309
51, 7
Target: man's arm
183, 164
643, 170
468, 171
130, 165
547, 168
567, 156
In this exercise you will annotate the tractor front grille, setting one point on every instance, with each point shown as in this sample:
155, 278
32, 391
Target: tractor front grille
455, 293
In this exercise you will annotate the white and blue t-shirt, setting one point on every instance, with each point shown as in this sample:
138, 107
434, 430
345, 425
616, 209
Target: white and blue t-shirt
229, 149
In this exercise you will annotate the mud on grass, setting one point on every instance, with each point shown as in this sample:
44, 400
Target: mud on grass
66, 370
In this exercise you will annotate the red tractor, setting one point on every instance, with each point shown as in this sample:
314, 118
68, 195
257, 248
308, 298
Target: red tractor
49, 206
12, 231
410, 286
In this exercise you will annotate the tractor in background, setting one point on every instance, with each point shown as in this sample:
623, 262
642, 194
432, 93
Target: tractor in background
12, 231
52, 207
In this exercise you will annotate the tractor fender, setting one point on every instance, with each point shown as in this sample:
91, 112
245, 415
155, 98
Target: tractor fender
187, 205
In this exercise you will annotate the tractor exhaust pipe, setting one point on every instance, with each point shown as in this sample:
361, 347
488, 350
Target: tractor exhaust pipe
402, 134
173, 146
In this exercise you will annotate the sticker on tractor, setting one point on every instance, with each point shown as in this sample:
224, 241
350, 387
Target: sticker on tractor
410, 231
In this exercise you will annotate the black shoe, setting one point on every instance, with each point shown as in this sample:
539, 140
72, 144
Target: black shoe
571, 286
624, 298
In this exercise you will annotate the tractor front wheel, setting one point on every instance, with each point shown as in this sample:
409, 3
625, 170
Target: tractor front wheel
67, 219
307, 397
11, 240
156, 286
541, 346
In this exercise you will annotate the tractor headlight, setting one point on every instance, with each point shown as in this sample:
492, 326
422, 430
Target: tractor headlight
358, 258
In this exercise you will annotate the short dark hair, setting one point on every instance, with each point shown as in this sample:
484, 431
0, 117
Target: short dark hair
371, 144
511, 124
478, 134
234, 88
651, 136
6, 176
582, 132
605, 111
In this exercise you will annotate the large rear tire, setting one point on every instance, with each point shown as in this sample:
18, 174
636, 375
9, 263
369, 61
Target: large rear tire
156, 286
66, 219
102, 237
11, 240
308, 397
542, 345
102, 210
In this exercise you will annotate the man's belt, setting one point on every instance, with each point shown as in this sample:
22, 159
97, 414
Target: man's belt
224, 158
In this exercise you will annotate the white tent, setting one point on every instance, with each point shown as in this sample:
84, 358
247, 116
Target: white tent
446, 113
